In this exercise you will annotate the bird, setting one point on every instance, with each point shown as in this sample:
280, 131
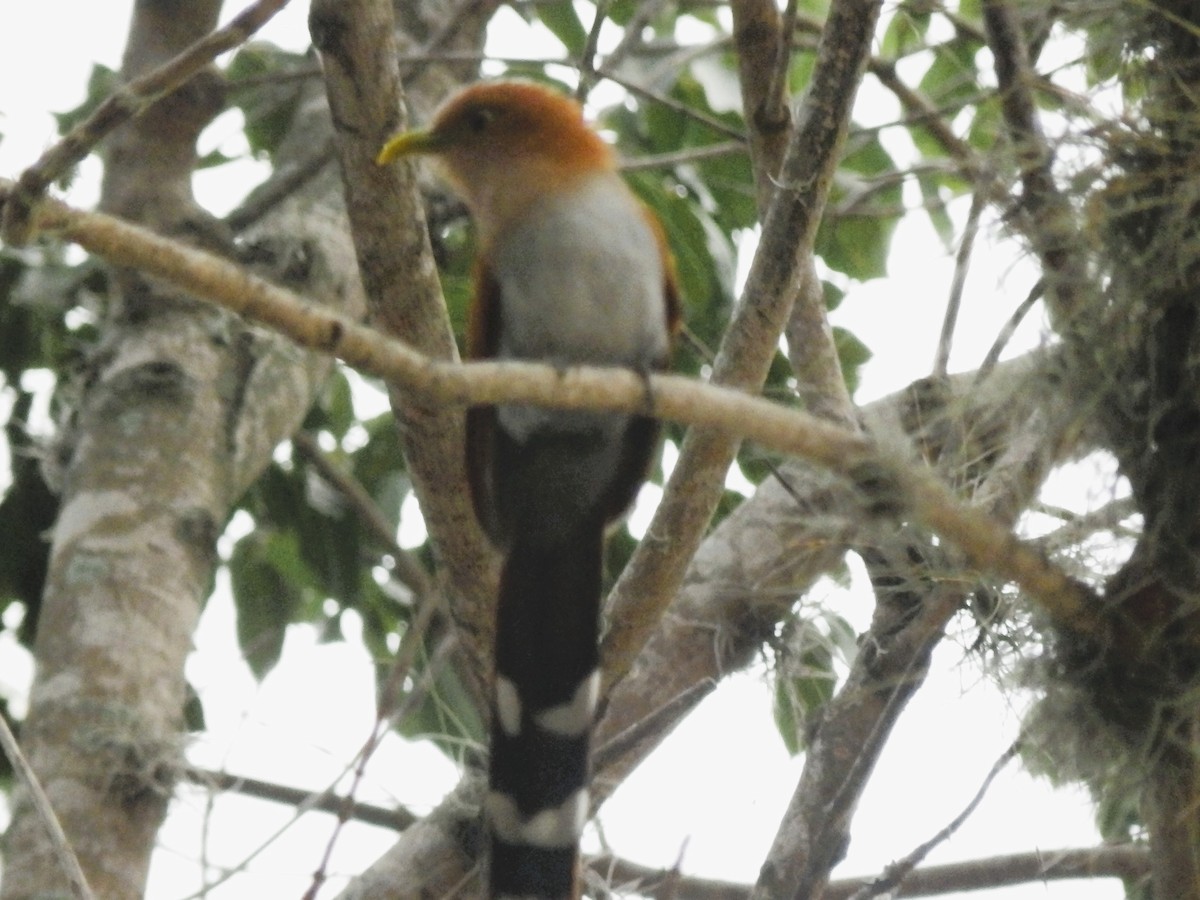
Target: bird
571, 269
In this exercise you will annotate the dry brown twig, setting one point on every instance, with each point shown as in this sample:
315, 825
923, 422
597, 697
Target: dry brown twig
67, 860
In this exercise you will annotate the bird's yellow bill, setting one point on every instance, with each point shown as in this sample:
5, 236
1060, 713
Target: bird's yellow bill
406, 143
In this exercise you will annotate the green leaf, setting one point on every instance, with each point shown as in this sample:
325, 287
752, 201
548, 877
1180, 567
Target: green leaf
214, 159
971, 11
446, 714
563, 21
935, 207
193, 710
834, 295
952, 78
905, 34
334, 409
271, 583
799, 698
730, 181
855, 236
852, 353
102, 81
703, 254
379, 467
986, 124
265, 87
804, 675
856, 245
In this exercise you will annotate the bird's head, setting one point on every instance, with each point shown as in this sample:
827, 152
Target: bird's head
502, 144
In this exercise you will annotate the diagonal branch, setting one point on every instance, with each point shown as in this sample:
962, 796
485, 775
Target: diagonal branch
357, 45
918, 588
653, 575
130, 101
898, 872
397, 819
1052, 229
726, 412
63, 851
941, 363
746, 577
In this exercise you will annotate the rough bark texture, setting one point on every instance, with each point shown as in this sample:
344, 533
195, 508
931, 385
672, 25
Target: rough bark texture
400, 278
181, 409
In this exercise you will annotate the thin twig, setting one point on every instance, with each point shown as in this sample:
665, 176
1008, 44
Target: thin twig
619, 744
406, 568
281, 185
389, 711
67, 860
777, 89
454, 21
920, 111
127, 102
672, 104
587, 59
1009, 329
894, 874
397, 819
317, 800
681, 157
941, 362
631, 34
1052, 229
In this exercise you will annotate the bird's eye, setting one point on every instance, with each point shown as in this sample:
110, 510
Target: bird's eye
479, 118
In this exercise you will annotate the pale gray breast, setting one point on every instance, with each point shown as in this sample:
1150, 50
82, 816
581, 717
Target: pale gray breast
581, 281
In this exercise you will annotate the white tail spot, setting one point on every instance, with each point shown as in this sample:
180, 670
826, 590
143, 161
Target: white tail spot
503, 816
575, 716
508, 706
559, 826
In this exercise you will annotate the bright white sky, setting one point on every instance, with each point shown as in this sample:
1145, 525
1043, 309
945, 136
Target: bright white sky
715, 791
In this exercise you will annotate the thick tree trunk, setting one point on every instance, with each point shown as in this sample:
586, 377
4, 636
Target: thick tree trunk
1171, 807
182, 408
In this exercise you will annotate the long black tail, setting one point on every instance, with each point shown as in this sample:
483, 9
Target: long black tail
546, 686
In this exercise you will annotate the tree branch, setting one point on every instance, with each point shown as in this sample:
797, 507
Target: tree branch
63, 851
918, 587
325, 801
129, 101
747, 576
727, 412
1125, 861
1052, 229
657, 568
401, 281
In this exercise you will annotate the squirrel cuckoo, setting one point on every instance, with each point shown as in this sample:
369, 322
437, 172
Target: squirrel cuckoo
571, 269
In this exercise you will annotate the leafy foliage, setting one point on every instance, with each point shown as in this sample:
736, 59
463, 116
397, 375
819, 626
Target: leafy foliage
805, 677
267, 84
310, 558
